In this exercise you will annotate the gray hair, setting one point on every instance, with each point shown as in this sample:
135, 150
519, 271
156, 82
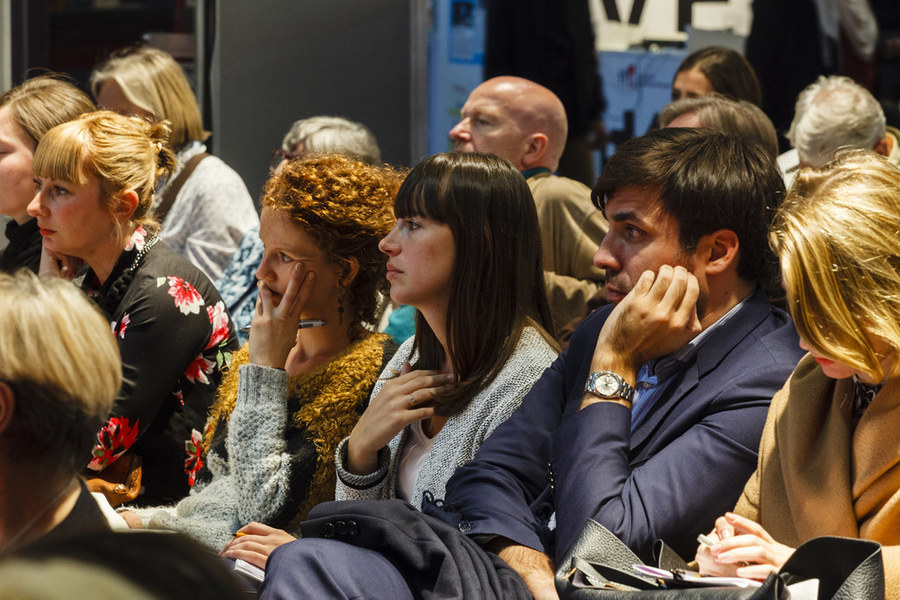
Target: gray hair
834, 113
333, 134
715, 111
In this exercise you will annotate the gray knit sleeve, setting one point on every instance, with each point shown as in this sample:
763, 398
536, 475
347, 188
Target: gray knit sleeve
351, 486
375, 485
257, 447
206, 515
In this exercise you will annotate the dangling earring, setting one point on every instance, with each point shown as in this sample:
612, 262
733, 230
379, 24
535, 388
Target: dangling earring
341, 307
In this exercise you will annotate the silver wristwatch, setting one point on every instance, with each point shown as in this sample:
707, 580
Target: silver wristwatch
609, 385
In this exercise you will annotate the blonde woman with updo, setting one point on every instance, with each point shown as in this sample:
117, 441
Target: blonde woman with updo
95, 179
829, 459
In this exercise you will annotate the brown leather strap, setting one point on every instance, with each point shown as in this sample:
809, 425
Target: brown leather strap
171, 192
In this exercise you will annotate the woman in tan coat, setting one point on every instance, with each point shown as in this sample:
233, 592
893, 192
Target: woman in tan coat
829, 460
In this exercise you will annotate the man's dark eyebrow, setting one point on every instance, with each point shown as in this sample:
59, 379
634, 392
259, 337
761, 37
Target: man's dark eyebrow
628, 215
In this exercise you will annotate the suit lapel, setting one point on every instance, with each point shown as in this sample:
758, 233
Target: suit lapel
709, 355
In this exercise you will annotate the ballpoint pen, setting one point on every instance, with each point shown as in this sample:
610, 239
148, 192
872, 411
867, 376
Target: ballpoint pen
303, 324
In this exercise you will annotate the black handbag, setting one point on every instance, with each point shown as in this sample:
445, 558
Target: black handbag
598, 566
847, 568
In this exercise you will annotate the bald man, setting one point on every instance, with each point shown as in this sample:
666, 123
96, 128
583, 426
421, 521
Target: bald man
526, 123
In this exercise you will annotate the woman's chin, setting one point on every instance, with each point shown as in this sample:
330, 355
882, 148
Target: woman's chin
834, 370
397, 297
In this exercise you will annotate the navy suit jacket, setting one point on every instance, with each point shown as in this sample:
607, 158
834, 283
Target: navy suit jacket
683, 467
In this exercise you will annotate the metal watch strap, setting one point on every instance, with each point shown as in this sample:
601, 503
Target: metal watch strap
623, 389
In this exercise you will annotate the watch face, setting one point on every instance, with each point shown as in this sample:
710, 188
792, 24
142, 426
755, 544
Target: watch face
607, 384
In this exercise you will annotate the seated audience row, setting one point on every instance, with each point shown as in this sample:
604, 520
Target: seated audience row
836, 409
680, 368
606, 433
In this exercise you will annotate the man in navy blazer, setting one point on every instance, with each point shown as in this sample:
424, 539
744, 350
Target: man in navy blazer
650, 421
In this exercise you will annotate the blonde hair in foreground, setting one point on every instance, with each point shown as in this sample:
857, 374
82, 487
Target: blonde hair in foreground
123, 153
58, 354
51, 333
838, 237
152, 80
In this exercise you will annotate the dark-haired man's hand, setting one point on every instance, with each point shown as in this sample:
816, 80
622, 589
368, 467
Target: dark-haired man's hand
656, 318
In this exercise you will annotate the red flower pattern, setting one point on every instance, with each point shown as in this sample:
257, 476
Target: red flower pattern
123, 324
194, 461
114, 438
198, 369
121, 432
137, 239
218, 317
187, 298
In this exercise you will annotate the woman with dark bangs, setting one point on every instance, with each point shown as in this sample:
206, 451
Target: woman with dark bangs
466, 253
716, 69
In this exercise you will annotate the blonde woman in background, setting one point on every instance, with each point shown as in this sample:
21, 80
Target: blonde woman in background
212, 208
59, 374
829, 459
27, 112
95, 178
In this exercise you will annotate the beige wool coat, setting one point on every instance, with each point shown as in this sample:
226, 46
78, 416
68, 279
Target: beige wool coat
818, 476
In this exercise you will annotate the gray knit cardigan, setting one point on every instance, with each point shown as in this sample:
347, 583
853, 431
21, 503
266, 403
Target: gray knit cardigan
258, 476
462, 435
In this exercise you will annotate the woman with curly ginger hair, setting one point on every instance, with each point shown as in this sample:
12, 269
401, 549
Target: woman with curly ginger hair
300, 383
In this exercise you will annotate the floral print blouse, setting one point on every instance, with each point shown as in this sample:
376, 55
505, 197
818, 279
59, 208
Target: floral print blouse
175, 337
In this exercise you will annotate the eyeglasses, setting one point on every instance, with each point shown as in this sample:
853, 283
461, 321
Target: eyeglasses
279, 155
